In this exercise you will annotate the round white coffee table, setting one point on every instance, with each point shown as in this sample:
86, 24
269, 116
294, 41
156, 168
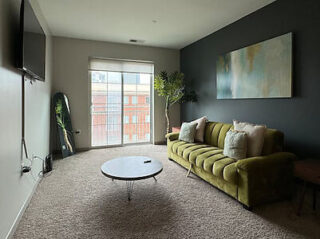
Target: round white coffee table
130, 169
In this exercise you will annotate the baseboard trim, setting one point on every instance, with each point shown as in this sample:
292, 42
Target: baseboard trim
22, 210
160, 142
58, 151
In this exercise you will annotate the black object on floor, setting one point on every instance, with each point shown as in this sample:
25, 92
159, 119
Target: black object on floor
47, 166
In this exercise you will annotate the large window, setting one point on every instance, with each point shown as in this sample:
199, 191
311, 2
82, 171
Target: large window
126, 100
120, 101
134, 100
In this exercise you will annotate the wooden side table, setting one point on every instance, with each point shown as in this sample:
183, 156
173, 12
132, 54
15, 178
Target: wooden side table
309, 171
176, 129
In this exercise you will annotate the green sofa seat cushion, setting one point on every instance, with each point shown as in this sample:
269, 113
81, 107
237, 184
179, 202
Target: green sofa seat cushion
191, 149
182, 147
207, 151
170, 144
176, 144
230, 173
202, 157
220, 166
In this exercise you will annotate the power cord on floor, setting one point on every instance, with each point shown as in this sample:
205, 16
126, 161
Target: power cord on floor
28, 168
42, 173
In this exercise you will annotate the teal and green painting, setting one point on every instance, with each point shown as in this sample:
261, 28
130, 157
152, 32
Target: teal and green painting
262, 70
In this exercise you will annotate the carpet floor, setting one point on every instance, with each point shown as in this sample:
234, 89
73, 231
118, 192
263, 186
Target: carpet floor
77, 201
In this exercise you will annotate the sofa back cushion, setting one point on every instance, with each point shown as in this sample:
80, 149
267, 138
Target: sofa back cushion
215, 133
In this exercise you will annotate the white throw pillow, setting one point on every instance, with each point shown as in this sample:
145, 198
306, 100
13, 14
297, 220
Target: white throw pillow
199, 137
255, 136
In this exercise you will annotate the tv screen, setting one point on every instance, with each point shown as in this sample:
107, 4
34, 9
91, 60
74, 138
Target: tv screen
32, 43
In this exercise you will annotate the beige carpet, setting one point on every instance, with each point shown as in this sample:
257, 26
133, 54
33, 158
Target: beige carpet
77, 201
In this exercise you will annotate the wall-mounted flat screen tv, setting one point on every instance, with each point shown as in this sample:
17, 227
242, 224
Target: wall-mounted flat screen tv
32, 50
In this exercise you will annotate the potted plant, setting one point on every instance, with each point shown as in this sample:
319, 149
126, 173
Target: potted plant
174, 89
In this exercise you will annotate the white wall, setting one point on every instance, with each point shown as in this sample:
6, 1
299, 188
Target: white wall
15, 189
70, 74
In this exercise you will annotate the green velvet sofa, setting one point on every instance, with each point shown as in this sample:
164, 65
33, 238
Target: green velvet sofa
251, 181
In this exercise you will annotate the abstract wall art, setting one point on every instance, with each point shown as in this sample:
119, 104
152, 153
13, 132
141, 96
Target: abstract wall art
262, 70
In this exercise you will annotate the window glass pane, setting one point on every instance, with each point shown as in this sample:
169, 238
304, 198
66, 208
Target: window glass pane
106, 108
134, 119
114, 78
126, 100
130, 78
147, 119
108, 98
126, 138
134, 100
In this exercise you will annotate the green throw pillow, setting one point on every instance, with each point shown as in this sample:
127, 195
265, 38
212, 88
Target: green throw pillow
235, 144
187, 132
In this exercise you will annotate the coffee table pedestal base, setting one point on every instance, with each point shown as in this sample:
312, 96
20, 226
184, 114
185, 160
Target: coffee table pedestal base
129, 189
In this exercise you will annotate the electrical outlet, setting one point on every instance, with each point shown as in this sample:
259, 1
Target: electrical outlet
25, 169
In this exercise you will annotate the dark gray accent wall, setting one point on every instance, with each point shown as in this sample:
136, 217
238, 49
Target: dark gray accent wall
297, 117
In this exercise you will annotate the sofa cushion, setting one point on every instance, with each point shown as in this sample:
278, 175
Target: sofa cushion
230, 173
175, 145
255, 136
273, 141
209, 162
235, 144
182, 147
207, 157
178, 147
222, 167
202, 152
215, 133
188, 131
201, 124
201, 158
219, 165
193, 148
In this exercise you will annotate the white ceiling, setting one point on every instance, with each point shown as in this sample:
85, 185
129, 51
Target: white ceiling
161, 23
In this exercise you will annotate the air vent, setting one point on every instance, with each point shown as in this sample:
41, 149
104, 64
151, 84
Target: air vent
136, 41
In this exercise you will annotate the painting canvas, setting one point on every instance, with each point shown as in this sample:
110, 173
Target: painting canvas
262, 70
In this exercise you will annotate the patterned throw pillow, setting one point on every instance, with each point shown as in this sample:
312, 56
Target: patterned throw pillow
187, 132
255, 134
235, 144
200, 128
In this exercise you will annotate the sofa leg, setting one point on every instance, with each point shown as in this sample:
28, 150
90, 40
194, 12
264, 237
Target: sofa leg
190, 167
247, 208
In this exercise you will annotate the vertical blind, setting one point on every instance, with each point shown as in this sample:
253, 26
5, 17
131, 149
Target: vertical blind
113, 65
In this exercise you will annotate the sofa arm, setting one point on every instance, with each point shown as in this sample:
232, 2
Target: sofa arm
265, 178
271, 160
172, 136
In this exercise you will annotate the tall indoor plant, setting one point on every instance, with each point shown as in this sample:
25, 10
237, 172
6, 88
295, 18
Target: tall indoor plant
174, 89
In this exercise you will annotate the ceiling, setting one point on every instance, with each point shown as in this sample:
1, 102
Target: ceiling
160, 23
